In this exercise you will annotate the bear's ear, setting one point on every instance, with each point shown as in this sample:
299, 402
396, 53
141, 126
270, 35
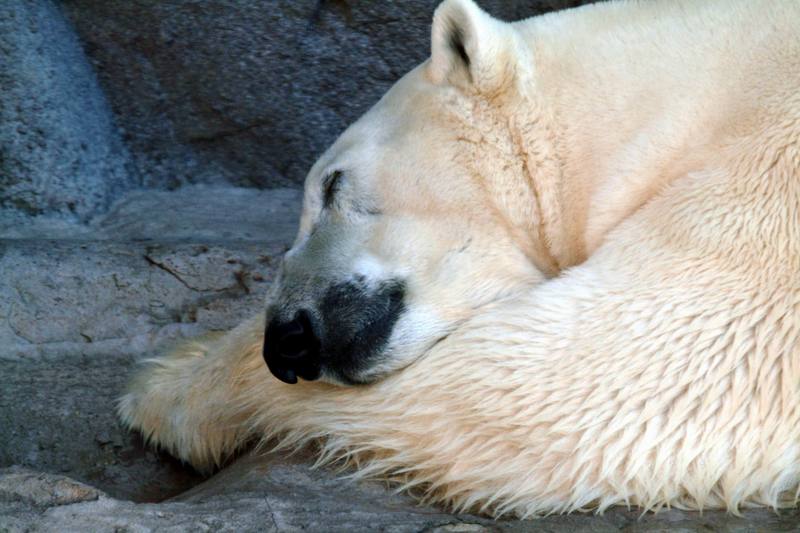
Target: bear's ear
469, 47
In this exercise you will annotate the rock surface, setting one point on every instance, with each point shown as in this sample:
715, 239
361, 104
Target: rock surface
273, 493
249, 92
218, 92
159, 265
59, 149
81, 303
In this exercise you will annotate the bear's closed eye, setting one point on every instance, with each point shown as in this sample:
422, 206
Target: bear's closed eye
330, 186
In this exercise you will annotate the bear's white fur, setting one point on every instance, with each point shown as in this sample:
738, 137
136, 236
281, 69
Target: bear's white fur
660, 364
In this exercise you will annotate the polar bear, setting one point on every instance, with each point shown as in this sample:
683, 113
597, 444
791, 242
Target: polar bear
556, 267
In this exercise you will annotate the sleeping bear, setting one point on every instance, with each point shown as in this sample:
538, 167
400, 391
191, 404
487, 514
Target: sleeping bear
556, 267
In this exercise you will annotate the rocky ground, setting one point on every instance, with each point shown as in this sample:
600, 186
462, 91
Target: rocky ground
88, 301
85, 302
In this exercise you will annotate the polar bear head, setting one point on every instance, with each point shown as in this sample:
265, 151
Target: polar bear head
419, 215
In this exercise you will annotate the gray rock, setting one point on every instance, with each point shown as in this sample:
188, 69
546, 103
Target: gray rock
275, 493
81, 303
205, 214
59, 149
195, 213
248, 92
58, 417
41, 489
66, 298
159, 266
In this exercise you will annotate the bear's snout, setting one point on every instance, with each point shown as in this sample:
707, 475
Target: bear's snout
292, 348
339, 336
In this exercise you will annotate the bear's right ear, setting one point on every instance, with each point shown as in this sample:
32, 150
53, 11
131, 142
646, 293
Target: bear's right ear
470, 48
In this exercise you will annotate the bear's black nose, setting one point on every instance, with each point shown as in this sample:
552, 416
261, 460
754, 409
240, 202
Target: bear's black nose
291, 348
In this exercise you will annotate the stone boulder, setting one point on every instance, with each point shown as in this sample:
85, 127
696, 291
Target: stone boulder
275, 494
60, 152
81, 304
250, 92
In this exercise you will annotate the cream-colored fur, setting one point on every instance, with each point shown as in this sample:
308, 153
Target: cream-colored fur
646, 157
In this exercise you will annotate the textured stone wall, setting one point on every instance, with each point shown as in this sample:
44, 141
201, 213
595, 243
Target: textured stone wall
100, 97
249, 92
59, 149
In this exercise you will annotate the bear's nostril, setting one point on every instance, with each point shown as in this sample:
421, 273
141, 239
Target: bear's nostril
293, 345
291, 349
